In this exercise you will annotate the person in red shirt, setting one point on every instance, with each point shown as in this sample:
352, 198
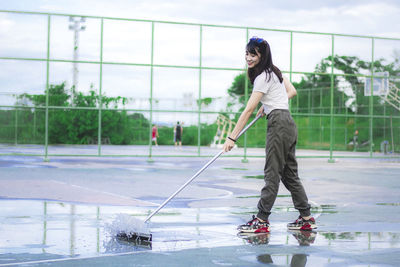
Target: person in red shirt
154, 134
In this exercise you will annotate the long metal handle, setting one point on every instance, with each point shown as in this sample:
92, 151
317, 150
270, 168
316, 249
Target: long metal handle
200, 171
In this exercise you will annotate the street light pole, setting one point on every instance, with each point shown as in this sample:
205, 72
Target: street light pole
76, 25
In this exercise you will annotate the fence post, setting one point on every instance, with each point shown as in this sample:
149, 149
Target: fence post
100, 88
151, 93
371, 102
46, 135
331, 159
199, 99
16, 127
246, 97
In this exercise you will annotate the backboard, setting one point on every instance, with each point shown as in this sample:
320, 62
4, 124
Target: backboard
380, 86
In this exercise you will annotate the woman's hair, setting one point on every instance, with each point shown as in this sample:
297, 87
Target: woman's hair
262, 47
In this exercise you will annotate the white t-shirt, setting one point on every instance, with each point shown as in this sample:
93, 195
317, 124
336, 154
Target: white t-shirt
275, 95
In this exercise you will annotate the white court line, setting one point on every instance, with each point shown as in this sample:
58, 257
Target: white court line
319, 208
107, 193
73, 259
226, 195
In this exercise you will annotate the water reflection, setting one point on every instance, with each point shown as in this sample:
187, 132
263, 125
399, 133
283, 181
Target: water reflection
255, 239
305, 238
118, 245
71, 229
49, 227
298, 260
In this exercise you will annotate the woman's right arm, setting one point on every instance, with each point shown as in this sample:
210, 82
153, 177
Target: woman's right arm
291, 91
252, 103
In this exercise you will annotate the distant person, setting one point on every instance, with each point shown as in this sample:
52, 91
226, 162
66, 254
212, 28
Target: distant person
178, 133
355, 140
154, 134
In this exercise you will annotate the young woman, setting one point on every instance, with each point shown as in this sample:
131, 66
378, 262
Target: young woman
273, 90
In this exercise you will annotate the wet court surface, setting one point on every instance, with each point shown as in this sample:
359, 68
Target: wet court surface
60, 216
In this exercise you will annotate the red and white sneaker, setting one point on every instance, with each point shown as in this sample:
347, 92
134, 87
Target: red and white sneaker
302, 224
254, 226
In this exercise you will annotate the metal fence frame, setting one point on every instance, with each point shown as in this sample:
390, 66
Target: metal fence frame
200, 67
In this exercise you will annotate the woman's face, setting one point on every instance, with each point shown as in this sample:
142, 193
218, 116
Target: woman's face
252, 59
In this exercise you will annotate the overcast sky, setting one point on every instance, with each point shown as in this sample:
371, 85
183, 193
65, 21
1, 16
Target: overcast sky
180, 45
371, 17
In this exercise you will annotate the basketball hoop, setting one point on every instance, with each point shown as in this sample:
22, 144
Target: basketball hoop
380, 85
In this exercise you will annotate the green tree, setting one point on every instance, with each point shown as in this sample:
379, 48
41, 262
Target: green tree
78, 123
238, 86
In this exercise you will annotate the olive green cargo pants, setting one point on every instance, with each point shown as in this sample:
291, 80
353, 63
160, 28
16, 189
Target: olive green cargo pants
281, 164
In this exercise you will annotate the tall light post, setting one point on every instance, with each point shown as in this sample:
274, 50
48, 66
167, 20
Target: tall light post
76, 25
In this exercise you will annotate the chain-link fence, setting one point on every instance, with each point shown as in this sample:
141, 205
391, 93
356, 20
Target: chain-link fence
97, 86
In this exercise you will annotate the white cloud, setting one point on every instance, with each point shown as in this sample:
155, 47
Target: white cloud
362, 19
370, 10
5, 24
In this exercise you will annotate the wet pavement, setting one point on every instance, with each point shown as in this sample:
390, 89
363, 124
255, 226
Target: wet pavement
57, 213
162, 151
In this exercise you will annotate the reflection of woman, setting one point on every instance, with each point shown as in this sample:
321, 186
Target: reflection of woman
273, 90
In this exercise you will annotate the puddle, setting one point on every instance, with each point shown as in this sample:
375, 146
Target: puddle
38, 232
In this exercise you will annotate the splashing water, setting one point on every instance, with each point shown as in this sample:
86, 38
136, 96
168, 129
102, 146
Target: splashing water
128, 225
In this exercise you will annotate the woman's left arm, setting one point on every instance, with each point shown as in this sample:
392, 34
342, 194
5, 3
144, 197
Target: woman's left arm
291, 91
244, 117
